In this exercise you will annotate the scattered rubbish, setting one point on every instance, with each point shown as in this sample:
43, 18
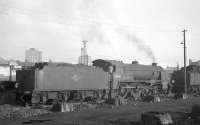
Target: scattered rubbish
156, 118
36, 121
72, 124
168, 118
16, 112
72, 106
123, 122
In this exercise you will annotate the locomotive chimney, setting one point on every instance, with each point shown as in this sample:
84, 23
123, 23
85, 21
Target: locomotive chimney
135, 62
154, 64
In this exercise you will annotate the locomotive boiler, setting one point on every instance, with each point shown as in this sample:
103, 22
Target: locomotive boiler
133, 75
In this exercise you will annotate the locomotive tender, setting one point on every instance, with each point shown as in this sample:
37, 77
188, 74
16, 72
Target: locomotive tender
51, 79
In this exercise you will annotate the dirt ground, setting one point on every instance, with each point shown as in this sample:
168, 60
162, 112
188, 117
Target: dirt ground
123, 115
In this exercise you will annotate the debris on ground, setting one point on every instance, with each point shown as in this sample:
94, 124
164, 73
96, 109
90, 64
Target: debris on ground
156, 118
122, 122
36, 121
72, 107
172, 117
16, 112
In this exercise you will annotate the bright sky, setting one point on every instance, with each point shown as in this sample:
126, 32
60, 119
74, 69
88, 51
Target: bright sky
116, 29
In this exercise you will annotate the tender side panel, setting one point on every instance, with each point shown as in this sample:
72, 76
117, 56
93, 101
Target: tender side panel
194, 78
71, 78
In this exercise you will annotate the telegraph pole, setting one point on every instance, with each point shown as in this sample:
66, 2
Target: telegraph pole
185, 72
111, 71
10, 77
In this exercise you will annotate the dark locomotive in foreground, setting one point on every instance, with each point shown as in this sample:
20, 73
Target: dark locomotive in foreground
67, 82
193, 80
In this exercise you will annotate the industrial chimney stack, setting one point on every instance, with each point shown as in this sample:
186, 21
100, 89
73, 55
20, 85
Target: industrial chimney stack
84, 47
84, 59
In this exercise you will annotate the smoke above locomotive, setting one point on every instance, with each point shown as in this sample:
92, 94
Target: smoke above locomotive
137, 42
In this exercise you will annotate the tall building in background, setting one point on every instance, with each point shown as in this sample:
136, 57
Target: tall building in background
33, 56
84, 59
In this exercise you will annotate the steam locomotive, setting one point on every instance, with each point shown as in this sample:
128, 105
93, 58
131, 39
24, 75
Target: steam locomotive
192, 81
78, 82
135, 74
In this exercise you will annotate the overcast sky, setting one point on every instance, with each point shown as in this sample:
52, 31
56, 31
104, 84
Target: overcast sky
143, 30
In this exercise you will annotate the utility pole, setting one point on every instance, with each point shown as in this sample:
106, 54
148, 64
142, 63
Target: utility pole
185, 72
10, 76
111, 71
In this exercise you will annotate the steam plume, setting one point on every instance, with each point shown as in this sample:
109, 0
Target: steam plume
138, 43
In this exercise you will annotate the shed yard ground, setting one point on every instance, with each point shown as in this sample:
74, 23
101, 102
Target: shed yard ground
123, 115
